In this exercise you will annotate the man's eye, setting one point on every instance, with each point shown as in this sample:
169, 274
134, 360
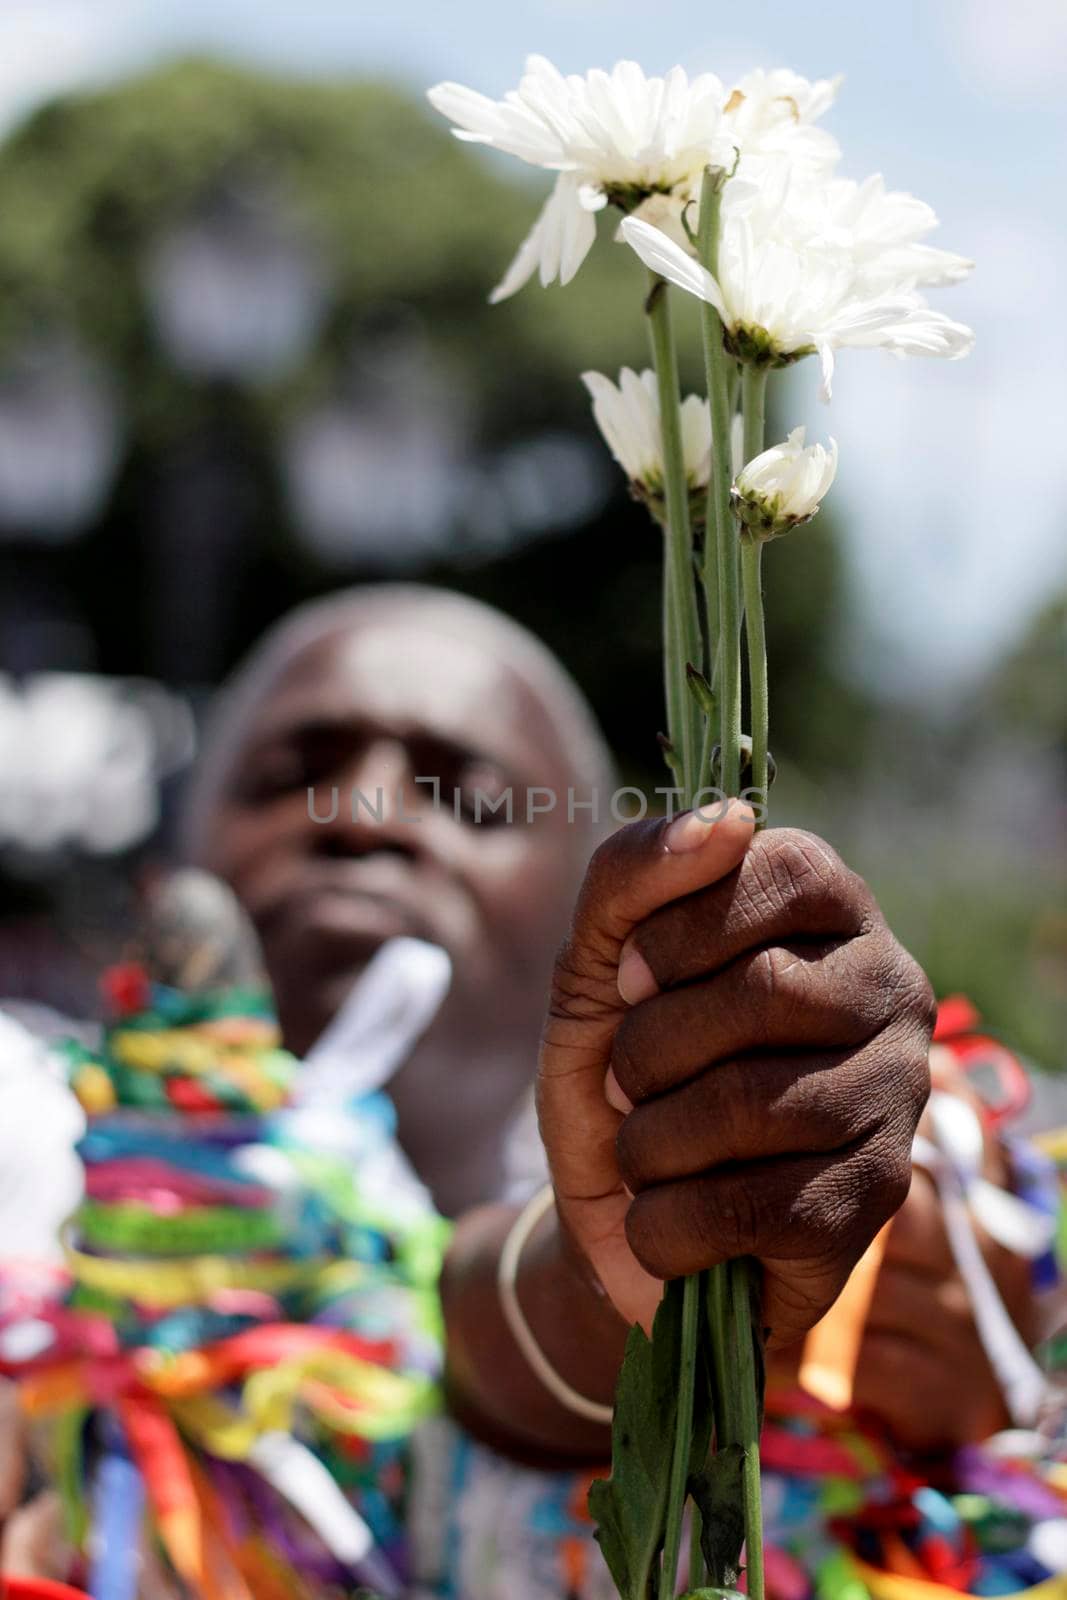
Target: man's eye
281, 769
273, 774
481, 793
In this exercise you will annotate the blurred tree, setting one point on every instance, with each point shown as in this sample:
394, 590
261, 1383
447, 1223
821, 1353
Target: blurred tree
1028, 686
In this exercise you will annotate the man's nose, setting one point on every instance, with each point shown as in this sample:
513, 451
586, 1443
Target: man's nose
377, 779
374, 802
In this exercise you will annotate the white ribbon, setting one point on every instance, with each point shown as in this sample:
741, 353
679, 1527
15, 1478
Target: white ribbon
953, 1160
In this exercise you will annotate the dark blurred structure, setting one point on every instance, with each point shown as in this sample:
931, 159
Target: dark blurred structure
246, 356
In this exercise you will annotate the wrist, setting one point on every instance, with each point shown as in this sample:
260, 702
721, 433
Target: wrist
492, 1388
574, 1323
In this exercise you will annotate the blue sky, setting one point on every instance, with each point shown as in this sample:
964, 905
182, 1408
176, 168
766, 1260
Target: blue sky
953, 481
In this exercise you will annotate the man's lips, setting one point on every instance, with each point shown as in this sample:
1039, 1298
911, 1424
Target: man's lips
371, 897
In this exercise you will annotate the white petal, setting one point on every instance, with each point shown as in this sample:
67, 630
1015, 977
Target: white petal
662, 255
926, 332
577, 236
737, 444
524, 265
556, 245
696, 439
476, 115
508, 124
628, 419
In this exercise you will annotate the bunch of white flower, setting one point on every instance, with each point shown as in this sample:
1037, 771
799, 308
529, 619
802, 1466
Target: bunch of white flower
808, 262
732, 196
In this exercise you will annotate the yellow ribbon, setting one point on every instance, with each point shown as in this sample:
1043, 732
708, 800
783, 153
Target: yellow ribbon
381, 1403
188, 1281
891, 1586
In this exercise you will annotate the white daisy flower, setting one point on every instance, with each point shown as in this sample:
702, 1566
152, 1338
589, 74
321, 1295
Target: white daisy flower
628, 417
773, 114
787, 287
612, 137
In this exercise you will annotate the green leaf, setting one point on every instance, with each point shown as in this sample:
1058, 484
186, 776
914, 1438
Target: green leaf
712, 1594
759, 1361
700, 689
718, 1491
630, 1507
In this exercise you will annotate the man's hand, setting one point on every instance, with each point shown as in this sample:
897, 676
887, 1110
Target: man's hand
923, 1369
767, 1040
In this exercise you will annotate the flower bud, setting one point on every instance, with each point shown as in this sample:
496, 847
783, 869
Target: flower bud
784, 486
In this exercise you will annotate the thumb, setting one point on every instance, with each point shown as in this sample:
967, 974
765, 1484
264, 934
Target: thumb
635, 872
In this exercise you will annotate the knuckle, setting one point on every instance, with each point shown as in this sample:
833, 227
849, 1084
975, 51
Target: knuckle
606, 896
796, 869
738, 1111
912, 1077
839, 1213
883, 1178
778, 986
731, 1217
602, 865
923, 999
795, 1302
906, 984
582, 985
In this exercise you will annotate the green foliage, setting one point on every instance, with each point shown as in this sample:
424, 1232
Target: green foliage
717, 1490
712, 1594
1028, 688
630, 1507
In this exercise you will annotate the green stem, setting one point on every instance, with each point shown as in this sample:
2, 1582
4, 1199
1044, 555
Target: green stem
698, 1571
720, 1328
684, 644
756, 637
721, 578
683, 1435
741, 1286
754, 393
753, 406
673, 683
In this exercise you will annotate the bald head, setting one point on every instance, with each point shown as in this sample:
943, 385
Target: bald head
557, 719
335, 795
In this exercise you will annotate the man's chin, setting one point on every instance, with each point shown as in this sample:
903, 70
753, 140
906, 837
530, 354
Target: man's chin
313, 974
305, 1012
308, 993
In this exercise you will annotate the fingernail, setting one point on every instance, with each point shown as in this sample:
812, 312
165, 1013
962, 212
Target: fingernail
689, 831
693, 828
614, 1095
635, 980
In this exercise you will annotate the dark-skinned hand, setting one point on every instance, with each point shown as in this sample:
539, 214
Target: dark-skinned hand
733, 1064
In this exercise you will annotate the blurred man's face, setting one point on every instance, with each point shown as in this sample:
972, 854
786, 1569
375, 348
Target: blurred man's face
357, 717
